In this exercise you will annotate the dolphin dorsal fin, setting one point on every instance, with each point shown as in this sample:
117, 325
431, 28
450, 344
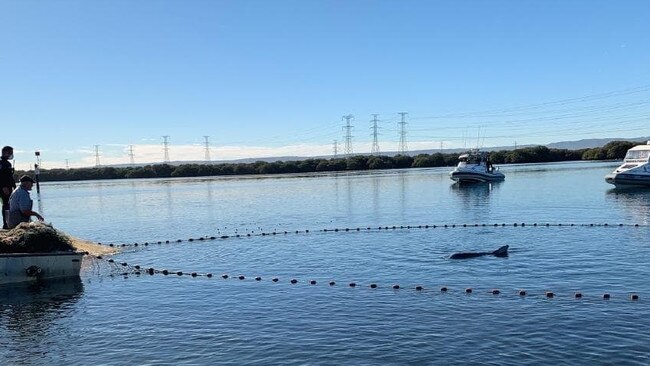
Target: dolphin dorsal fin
501, 252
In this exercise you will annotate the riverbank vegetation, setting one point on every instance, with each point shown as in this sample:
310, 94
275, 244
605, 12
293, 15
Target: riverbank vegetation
537, 154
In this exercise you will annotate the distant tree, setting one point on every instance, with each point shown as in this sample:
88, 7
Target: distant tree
427, 161
594, 154
617, 149
402, 161
379, 162
357, 162
337, 165
498, 157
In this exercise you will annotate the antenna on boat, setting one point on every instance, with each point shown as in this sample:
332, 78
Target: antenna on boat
478, 137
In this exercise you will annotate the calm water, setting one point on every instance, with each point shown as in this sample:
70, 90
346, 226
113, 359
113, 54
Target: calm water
182, 320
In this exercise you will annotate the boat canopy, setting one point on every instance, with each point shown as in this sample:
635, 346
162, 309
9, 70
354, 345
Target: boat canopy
473, 156
638, 153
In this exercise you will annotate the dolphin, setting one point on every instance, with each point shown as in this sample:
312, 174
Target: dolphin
501, 252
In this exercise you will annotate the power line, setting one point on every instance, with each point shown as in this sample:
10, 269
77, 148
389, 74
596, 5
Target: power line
348, 134
402, 149
97, 162
561, 102
207, 148
166, 149
375, 143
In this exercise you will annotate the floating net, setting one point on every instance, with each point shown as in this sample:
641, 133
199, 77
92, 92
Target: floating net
34, 237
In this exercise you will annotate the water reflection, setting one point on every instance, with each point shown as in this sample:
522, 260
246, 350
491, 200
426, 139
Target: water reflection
31, 312
44, 296
635, 201
474, 194
403, 189
170, 199
375, 195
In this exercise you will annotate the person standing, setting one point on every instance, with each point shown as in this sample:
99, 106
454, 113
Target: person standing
20, 203
7, 182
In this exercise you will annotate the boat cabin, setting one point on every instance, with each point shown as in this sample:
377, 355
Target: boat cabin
638, 154
474, 157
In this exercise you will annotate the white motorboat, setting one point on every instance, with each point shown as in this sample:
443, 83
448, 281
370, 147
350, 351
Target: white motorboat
635, 170
25, 267
475, 166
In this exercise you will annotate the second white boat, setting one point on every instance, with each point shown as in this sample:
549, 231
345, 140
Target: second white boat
635, 170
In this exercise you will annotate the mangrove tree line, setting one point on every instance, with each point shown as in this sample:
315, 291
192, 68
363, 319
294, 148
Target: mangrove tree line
537, 154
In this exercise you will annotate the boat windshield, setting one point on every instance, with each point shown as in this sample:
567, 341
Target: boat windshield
637, 155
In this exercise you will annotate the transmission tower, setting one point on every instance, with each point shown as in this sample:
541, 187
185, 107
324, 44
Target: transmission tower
207, 148
403, 148
375, 128
131, 155
67, 164
348, 134
166, 149
97, 163
336, 148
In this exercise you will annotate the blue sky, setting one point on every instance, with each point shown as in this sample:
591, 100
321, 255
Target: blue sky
269, 78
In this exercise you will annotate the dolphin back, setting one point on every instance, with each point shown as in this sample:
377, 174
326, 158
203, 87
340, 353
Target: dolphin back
501, 252
467, 255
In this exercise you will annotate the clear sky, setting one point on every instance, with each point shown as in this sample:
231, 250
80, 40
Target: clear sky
269, 78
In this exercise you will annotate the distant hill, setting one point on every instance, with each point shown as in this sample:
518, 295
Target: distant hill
591, 143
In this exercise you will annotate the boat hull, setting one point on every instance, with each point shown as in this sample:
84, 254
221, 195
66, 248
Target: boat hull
628, 180
29, 267
475, 177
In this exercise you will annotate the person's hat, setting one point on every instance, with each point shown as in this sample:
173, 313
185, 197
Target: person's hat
26, 178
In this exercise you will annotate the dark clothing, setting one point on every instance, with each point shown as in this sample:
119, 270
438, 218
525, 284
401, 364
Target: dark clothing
6, 181
7, 174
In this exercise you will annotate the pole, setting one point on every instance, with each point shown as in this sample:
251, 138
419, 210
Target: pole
37, 175
37, 171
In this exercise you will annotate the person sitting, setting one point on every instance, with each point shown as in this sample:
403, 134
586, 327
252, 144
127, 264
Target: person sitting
20, 203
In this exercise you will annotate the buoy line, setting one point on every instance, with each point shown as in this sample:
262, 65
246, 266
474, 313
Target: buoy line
377, 229
125, 269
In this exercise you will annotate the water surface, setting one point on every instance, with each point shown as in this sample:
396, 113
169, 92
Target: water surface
183, 320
